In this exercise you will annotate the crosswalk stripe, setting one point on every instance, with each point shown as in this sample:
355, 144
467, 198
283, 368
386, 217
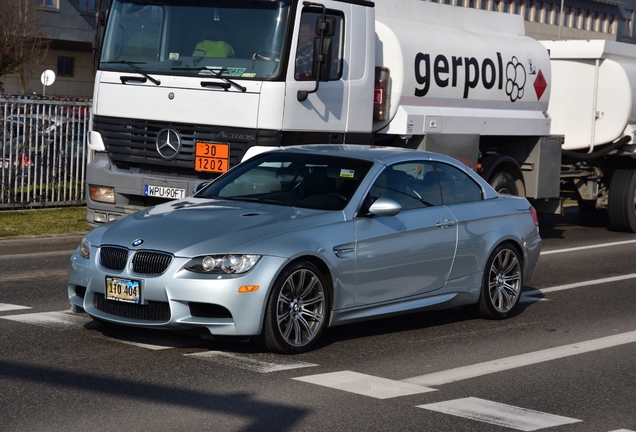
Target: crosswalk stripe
499, 414
261, 362
63, 319
366, 385
4, 307
499, 365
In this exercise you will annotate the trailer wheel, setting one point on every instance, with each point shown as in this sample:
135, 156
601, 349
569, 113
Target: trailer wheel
622, 201
504, 183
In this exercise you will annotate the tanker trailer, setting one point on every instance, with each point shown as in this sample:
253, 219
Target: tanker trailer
592, 109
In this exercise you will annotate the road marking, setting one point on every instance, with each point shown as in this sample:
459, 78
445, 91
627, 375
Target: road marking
155, 343
34, 274
587, 247
4, 307
538, 291
499, 365
261, 362
62, 319
366, 385
499, 414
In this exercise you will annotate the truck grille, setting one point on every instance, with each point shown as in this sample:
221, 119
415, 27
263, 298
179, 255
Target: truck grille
131, 144
153, 311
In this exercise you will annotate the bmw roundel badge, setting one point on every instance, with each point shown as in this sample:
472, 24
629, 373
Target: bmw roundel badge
137, 242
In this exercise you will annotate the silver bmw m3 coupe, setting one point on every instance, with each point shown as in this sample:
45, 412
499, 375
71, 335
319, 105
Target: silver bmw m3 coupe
298, 239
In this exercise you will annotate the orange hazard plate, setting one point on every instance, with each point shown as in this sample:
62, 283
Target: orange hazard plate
212, 157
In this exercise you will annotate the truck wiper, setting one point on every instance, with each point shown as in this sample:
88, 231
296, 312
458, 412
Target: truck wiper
216, 72
137, 69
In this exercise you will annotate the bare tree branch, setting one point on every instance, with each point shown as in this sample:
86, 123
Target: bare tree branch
22, 45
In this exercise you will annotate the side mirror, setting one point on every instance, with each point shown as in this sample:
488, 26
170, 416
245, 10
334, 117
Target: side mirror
385, 207
198, 187
326, 25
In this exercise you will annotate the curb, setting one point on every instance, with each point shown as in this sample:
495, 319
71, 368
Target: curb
39, 245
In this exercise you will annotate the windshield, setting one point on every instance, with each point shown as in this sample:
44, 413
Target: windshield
292, 179
232, 39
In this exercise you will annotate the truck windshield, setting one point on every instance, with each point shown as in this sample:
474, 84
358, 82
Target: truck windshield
226, 38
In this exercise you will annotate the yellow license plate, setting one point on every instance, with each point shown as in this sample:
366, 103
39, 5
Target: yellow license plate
212, 157
124, 290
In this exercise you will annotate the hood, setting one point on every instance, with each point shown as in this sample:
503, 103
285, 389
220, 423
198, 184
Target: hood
195, 226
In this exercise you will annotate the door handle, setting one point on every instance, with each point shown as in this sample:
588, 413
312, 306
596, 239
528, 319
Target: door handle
445, 223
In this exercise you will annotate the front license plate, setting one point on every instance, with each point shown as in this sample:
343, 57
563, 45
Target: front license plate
124, 290
164, 192
212, 157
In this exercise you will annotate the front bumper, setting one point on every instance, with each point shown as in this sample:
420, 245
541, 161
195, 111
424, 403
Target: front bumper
177, 299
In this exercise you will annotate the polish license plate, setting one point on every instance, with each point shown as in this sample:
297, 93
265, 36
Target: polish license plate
212, 157
164, 192
124, 290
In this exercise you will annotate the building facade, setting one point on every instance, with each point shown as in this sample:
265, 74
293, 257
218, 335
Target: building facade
70, 24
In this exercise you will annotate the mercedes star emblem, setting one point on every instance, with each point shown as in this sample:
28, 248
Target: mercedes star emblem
168, 144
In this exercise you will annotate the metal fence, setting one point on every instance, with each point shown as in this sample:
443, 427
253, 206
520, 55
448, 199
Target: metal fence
42, 151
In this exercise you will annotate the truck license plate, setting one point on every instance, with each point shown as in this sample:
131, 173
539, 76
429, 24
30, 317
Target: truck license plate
212, 157
124, 290
164, 192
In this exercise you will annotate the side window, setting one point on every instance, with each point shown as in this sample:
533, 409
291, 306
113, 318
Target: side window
308, 40
457, 187
413, 185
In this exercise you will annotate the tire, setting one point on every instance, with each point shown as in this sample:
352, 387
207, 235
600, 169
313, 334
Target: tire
622, 201
504, 183
296, 313
501, 285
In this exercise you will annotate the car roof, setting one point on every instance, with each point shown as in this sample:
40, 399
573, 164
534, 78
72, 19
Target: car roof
382, 154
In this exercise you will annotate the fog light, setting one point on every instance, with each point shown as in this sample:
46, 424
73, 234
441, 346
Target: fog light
112, 217
102, 194
99, 217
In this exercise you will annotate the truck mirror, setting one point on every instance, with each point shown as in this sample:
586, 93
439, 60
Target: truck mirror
322, 59
328, 25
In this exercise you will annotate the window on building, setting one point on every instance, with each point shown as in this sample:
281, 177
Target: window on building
65, 66
87, 5
628, 22
48, 3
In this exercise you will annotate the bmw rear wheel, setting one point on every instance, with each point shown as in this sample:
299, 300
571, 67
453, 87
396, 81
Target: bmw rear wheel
296, 311
501, 287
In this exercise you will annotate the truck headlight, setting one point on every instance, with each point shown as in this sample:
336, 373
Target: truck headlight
103, 194
222, 264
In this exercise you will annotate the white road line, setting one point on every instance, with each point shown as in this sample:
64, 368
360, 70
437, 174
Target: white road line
4, 307
499, 414
156, 343
539, 291
587, 247
366, 385
499, 365
261, 363
63, 319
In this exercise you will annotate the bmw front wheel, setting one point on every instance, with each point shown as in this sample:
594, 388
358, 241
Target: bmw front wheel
296, 312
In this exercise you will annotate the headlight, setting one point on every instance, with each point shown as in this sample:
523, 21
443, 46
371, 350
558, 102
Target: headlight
222, 264
85, 248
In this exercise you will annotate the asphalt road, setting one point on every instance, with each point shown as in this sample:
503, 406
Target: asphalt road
564, 362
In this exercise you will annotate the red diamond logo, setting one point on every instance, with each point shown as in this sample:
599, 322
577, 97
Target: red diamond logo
540, 84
